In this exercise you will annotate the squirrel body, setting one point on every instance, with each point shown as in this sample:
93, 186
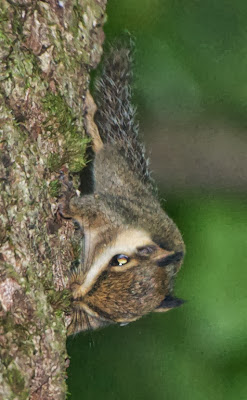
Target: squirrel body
132, 249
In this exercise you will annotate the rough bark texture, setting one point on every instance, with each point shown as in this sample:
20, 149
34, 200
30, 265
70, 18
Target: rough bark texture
47, 49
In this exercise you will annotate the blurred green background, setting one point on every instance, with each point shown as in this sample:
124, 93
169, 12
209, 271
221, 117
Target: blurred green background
191, 93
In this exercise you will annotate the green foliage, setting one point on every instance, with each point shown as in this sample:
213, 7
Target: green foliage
191, 56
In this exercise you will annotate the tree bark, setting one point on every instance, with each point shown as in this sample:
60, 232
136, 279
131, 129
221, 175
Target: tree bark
47, 49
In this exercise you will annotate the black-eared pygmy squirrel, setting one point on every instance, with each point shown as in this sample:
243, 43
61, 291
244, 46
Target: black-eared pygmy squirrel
132, 249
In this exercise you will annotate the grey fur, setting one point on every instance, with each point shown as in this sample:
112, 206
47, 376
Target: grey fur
121, 216
116, 115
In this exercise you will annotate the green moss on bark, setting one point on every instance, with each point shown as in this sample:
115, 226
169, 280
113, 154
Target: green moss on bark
62, 119
17, 383
54, 188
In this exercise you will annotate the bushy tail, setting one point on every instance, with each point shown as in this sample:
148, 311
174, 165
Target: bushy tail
116, 115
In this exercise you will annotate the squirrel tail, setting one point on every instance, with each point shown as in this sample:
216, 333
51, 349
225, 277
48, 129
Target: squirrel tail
116, 115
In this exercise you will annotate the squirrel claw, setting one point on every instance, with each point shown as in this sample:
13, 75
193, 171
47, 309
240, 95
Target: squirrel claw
67, 192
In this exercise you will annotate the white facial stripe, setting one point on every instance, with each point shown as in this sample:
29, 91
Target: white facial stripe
90, 238
125, 243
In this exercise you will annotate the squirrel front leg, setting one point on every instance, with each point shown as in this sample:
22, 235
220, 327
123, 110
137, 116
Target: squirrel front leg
88, 210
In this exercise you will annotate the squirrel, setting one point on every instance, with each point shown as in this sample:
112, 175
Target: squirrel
132, 249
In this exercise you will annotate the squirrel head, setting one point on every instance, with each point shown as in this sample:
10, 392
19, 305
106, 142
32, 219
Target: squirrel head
129, 276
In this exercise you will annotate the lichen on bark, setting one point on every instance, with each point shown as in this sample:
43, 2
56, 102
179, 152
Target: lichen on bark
47, 50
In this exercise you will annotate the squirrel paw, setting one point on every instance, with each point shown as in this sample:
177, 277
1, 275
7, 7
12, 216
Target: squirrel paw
67, 192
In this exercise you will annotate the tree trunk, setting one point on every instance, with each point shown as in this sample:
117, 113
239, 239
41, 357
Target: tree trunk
47, 49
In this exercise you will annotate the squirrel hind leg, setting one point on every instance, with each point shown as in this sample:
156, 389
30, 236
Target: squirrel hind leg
91, 127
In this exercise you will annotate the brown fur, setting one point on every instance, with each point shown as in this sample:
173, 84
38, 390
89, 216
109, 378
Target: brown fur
121, 216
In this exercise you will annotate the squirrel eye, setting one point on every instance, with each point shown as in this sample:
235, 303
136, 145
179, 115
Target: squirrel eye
119, 260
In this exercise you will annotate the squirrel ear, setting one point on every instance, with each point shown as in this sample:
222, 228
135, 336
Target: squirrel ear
168, 303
